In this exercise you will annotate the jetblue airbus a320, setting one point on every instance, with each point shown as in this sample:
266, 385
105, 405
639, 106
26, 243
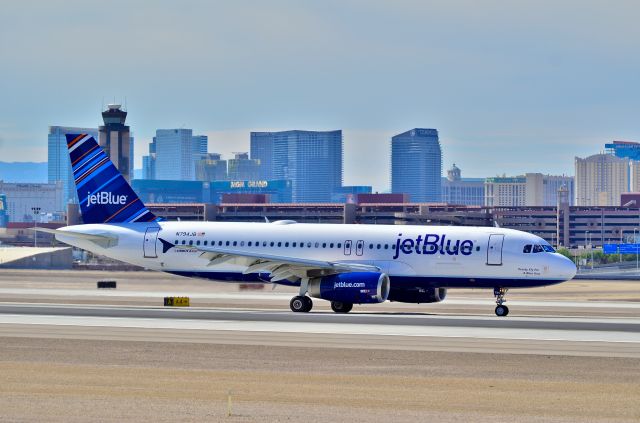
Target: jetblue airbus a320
344, 264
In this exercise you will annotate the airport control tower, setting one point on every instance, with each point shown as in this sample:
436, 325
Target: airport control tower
116, 140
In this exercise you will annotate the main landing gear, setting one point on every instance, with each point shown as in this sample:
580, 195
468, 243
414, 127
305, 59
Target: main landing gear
301, 304
501, 310
340, 307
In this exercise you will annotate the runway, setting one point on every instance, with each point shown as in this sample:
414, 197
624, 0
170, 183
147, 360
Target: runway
612, 337
71, 352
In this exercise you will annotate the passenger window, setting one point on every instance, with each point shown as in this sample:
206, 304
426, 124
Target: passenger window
235, 243
184, 242
378, 246
249, 244
386, 246
286, 244
331, 245
527, 248
220, 243
272, 244
264, 243
279, 244
317, 245
308, 245
294, 245
242, 243
477, 248
339, 245
191, 242
198, 242
371, 246
227, 243
324, 245
205, 242
175, 242
537, 248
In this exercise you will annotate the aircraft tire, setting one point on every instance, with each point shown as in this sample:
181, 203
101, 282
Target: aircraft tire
502, 310
300, 304
309, 304
340, 307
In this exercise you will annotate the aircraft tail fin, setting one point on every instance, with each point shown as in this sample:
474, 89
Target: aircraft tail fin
104, 194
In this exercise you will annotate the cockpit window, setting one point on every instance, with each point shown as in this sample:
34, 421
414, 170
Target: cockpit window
527, 248
537, 248
548, 248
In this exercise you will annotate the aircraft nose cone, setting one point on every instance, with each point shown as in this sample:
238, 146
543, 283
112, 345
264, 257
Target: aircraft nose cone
566, 268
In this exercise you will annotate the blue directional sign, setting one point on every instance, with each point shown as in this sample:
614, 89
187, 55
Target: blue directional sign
621, 248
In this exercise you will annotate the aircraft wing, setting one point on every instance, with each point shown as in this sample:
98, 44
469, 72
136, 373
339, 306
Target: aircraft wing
280, 267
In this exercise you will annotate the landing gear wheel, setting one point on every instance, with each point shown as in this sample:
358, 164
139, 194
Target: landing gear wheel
309, 303
339, 307
502, 310
300, 304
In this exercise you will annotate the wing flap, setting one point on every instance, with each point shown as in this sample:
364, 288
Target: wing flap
279, 266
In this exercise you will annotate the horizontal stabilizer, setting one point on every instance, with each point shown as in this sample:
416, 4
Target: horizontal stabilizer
102, 240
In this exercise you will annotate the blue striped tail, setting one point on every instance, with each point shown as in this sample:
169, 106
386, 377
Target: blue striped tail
104, 194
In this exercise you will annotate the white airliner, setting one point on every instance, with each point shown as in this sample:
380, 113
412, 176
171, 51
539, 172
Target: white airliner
344, 264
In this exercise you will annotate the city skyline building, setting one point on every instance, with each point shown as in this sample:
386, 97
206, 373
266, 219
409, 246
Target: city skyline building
28, 202
149, 162
503, 191
530, 189
600, 180
311, 160
624, 149
202, 145
211, 167
242, 168
542, 190
116, 140
462, 191
58, 163
176, 154
416, 165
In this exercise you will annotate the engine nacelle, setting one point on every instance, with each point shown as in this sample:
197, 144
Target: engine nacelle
417, 295
354, 288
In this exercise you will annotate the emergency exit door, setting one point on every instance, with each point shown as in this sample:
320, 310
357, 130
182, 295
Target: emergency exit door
150, 238
494, 250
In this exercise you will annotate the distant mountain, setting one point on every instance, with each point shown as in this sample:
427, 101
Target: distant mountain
23, 172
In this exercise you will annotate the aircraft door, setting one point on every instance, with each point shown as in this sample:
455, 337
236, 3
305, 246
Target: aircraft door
347, 247
150, 239
359, 247
494, 250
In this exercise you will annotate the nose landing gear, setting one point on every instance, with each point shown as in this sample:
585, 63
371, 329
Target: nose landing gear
501, 310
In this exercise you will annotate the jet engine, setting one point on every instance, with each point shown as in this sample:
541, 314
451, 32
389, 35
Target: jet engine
418, 295
354, 288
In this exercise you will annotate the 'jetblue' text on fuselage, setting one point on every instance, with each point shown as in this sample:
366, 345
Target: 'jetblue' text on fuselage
432, 244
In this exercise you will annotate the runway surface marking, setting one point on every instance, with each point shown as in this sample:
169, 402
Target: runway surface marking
276, 296
267, 314
325, 328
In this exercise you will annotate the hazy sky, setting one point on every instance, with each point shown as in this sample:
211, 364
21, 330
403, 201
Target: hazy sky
512, 86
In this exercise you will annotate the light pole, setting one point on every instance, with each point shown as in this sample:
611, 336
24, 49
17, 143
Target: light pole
586, 234
635, 246
591, 248
36, 213
620, 245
